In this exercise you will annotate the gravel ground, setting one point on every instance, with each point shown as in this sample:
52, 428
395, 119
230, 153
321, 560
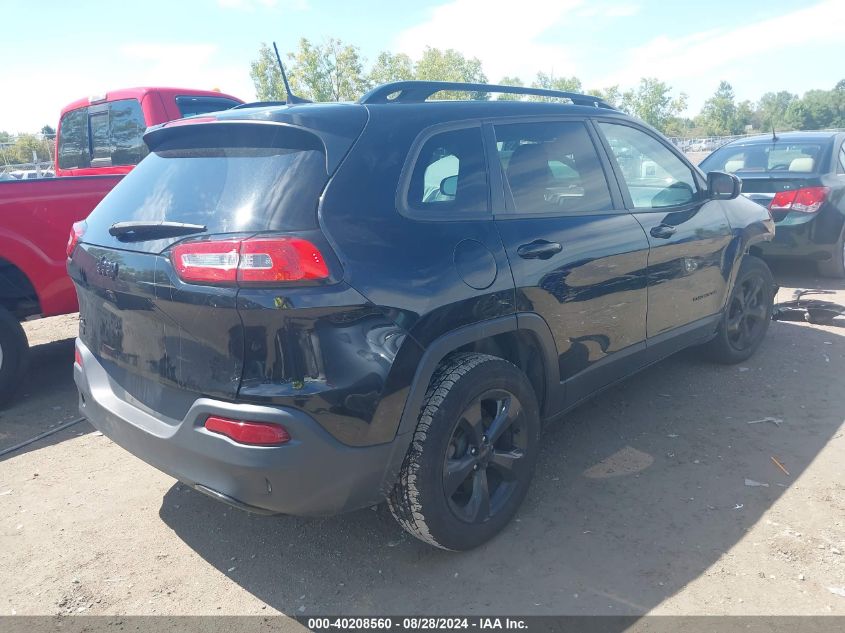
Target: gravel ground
640, 504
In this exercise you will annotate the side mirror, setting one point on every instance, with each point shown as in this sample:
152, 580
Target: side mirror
723, 186
449, 186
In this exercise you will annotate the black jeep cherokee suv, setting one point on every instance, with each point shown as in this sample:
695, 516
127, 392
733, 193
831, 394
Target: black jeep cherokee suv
305, 309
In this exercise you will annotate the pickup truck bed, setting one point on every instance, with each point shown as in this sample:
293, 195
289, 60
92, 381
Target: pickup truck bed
35, 221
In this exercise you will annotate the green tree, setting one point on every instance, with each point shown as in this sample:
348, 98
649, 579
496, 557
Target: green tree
550, 82
391, 67
610, 95
745, 115
824, 109
772, 107
331, 71
48, 130
450, 65
510, 81
652, 102
719, 114
23, 147
266, 77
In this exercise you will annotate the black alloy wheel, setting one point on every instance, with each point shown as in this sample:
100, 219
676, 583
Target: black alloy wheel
485, 456
748, 313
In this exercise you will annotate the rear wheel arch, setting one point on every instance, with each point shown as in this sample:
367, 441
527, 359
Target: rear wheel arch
522, 339
17, 293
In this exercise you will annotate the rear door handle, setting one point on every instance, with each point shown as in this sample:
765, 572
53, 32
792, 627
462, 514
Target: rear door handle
663, 231
539, 249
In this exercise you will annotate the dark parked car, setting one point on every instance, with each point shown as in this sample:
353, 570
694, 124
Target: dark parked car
305, 309
800, 177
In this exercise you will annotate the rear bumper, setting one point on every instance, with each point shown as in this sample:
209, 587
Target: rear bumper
313, 474
797, 241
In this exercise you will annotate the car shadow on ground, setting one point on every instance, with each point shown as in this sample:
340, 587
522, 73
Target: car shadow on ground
636, 494
46, 398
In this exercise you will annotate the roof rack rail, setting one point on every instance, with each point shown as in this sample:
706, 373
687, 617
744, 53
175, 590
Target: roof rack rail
419, 91
258, 104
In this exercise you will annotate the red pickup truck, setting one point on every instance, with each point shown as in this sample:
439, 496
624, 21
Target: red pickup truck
98, 140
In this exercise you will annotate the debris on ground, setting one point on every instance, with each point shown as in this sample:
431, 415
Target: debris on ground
839, 591
752, 483
781, 466
775, 421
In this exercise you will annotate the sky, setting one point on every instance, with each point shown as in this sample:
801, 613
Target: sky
67, 50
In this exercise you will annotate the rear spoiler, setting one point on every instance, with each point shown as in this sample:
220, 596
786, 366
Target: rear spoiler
306, 128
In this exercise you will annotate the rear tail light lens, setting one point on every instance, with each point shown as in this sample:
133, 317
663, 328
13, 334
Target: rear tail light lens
253, 433
207, 262
77, 357
804, 200
256, 260
76, 233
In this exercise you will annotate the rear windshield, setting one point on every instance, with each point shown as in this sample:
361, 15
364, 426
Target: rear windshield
227, 189
758, 158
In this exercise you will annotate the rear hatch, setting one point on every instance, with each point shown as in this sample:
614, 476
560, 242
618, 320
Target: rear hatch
165, 337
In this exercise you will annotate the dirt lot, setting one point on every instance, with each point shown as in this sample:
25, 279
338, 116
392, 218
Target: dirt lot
640, 505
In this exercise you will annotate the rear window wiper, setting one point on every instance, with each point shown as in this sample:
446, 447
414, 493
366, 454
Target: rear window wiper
140, 230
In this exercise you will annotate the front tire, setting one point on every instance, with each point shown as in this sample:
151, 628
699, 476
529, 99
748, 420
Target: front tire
472, 455
13, 348
747, 315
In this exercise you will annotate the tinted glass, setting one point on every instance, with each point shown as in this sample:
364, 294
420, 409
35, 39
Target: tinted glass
765, 157
655, 176
450, 173
100, 136
226, 189
552, 167
73, 139
191, 106
127, 126
841, 166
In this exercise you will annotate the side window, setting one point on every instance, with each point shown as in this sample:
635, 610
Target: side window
840, 168
73, 139
450, 174
655, 176
552, 167
127, 126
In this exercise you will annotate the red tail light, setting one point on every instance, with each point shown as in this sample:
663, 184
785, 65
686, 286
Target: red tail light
77, 357
804, 200
257, 260
255, 433
76, 233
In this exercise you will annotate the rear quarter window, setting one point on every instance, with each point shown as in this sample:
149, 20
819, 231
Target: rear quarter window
449, 175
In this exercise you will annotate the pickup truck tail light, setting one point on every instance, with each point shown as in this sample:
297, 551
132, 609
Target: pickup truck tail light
804, 200
253, 433
255, 260
76, 233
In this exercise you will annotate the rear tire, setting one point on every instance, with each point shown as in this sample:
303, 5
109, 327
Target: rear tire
747, 315
13, 349
834, 267
472, 455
